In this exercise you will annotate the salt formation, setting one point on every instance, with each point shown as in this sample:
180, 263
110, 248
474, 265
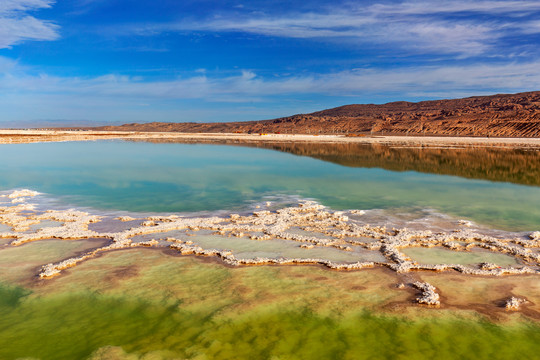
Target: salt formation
11, 216
429, 296
22, 193
125, 218
465, 223
514, 303
309, 224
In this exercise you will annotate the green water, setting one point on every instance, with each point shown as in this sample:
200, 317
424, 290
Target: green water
130, 304
74, 326
148, 304
181, 177
445, 256
246, 248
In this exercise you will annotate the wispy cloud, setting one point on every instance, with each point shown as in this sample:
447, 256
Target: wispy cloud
17, 26
246, 86
245, 95
464, 28
458, 6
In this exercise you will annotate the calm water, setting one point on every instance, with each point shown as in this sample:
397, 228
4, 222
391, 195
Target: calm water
145, 303
146, 177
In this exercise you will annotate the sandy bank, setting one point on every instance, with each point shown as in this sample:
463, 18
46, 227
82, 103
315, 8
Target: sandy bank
30, 136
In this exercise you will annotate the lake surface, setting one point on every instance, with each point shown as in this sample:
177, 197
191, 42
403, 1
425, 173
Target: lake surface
150, 177
156, 304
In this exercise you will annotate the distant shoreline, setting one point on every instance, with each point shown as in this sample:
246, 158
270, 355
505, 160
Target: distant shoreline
33, 136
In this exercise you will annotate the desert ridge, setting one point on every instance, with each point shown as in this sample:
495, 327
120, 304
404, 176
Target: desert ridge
502, 115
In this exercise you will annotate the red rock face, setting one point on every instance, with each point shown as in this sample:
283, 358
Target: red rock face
514, 115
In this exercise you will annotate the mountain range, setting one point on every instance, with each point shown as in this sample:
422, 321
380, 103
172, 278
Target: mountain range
502, 115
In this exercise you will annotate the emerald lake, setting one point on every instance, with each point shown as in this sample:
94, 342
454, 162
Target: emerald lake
169, 177
160, 301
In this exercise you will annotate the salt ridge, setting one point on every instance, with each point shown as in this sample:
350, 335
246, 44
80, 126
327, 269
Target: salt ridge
342, 233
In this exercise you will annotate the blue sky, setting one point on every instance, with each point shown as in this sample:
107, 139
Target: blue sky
165, 60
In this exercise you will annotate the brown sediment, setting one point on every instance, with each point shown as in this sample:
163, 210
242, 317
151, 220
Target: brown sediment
321, 278
495, 311
123, 272
205, 259
358, 288
487, 295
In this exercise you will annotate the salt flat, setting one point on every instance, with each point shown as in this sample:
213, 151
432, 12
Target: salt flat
29, 136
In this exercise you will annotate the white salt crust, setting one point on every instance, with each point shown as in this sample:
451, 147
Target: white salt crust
340, 233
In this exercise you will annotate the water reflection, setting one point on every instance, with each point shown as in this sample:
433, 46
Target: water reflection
517, 166
502, 164
146, 177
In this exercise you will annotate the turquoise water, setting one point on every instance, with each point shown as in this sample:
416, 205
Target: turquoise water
147, 304
116, 175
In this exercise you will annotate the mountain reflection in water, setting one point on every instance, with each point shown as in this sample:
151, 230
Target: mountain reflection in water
501, 164
495, 164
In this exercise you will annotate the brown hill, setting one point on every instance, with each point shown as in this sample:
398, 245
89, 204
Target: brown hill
512, 115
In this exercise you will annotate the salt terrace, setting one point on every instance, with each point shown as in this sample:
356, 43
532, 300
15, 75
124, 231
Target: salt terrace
317, 227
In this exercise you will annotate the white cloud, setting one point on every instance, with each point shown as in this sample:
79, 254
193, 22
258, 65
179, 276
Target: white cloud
7, 65
530, 27
7, 6
26, 96
423, 27
17, 26
246, 86
493, 7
